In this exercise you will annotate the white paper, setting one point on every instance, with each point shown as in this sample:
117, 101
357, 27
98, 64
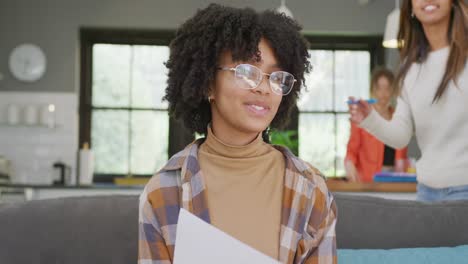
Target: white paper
200, 242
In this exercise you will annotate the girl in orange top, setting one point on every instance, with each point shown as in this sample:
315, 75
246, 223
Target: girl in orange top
366, 155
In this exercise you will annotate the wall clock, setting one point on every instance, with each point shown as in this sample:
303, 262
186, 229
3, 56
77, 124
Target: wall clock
27, 62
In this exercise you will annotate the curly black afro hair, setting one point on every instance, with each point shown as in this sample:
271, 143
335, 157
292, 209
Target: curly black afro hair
200, 41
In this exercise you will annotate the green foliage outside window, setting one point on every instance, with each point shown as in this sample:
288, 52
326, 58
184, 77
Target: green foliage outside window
287, 138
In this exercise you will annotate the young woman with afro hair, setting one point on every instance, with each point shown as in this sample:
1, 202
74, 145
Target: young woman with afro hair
233, 74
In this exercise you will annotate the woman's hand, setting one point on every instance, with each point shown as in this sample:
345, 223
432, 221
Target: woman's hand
400, 165
351, 172
359, 110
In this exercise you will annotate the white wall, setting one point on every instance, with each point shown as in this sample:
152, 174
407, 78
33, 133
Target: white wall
33, 149
54, 26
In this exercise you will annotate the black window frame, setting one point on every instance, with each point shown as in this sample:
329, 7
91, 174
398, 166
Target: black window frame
178, 136
370, 43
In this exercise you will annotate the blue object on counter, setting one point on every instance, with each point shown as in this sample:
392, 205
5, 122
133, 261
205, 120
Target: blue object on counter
369, 101
394, 177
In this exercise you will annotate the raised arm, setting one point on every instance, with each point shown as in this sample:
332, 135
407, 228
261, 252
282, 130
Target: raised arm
396, 132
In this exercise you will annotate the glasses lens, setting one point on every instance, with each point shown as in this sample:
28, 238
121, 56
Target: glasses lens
281, 82
249, 76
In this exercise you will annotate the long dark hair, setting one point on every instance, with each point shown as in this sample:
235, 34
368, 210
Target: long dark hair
414, 46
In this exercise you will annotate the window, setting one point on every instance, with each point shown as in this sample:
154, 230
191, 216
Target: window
129, 127
122, 112
323, 119
341, 67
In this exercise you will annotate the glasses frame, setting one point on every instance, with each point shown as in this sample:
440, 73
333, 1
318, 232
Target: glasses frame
262, 74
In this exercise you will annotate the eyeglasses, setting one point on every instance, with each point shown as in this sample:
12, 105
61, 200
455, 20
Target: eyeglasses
250, 77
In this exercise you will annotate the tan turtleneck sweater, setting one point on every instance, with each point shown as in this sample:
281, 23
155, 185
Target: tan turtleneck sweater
244, 190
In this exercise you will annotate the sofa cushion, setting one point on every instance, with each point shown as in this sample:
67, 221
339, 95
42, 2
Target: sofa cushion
376, 223
104, 229
441, 255
101, 229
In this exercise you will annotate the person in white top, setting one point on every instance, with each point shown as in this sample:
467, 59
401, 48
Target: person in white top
433, 100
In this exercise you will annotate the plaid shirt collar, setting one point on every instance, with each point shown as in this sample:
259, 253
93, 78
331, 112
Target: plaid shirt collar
187, 161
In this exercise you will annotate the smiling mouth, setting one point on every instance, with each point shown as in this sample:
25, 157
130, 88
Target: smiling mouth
430, 8
257, 107
258, 110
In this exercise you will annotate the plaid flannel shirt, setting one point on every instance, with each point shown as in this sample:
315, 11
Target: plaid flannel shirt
308, 210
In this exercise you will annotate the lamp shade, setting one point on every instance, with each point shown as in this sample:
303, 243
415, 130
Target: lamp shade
391, 29
285, 10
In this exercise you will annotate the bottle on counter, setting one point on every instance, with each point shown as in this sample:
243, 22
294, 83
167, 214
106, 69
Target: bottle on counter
411, 166
47, 115
86, 165
30, 115
13, 114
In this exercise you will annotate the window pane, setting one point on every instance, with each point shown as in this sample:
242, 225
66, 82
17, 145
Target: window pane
317, 141
149, 76
150, 134
352, 70
319, 82
111, 75
343, 130
109, 134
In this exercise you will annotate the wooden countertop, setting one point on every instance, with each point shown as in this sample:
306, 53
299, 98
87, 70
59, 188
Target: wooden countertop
98, 186
393, 187
335, 185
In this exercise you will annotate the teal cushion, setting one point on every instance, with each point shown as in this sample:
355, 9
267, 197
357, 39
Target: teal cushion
438, 255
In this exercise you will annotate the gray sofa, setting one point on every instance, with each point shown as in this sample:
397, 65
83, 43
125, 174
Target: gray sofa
103, 229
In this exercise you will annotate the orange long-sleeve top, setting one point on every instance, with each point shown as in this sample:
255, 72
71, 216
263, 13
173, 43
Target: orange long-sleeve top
366, 152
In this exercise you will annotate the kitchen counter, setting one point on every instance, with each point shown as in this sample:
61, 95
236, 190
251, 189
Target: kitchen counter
333, 185
405, 191
26, 192
390, 190
96, 186
393, 187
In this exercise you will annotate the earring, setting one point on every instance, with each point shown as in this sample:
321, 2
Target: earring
210, 99
266, 135
412, 14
